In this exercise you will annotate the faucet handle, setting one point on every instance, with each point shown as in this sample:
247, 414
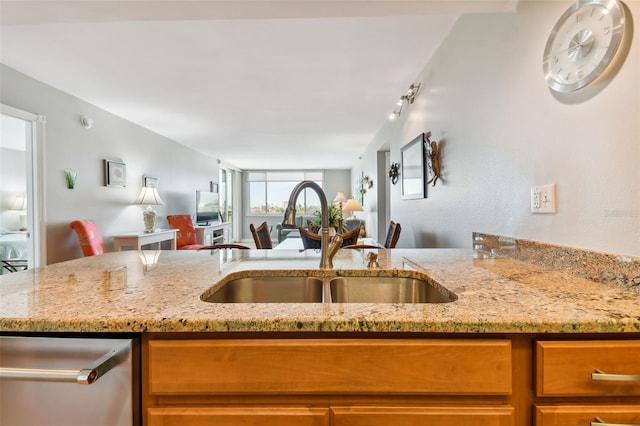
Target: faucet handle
373, 260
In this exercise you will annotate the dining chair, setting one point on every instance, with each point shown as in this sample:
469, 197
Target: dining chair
350, 237
361, 246
261, 236
225, 246
187, 239
310, 240
89, 237
393, 233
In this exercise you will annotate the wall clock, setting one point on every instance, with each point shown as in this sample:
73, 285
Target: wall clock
583, 43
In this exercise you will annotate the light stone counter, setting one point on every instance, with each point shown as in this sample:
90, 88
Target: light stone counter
495, 295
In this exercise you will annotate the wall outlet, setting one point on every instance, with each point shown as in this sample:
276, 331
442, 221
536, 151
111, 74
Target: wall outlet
543, 198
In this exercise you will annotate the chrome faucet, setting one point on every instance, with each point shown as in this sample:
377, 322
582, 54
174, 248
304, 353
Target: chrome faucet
328, 249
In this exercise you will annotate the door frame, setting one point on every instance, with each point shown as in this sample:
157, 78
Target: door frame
35, 183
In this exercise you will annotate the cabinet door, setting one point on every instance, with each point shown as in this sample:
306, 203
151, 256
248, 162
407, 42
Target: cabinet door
354, 366
245, 416
418, 416
565, 368
585, 415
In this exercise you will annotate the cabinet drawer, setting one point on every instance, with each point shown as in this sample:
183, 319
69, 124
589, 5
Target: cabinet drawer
584, 415
565, 368
411, 416
246, 416
313, 366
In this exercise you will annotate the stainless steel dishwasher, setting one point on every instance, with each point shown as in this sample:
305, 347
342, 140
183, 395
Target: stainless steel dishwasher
69, 381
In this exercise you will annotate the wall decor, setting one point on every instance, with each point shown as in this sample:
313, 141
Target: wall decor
393, 173
433, 159
585, 43
149, 182
115, 173
364, 183
70, 176
413, 169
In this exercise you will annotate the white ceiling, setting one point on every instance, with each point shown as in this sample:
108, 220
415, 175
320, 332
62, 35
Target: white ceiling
257, 84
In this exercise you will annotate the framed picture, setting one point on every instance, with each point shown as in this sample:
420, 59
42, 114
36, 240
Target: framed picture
115, 173
149, 182
413, 169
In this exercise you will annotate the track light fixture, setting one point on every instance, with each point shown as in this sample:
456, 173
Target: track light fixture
407, 98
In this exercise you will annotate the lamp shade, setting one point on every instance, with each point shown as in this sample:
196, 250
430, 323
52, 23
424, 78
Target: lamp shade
149, 196
20, 203
340, 198
352, 205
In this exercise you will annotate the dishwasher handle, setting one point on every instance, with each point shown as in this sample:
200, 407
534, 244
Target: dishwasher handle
83, 376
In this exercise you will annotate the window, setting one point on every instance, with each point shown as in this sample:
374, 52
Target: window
226, 194
269, 192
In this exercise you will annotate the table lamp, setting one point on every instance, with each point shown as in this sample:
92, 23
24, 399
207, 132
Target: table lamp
351, 206
339, 200
150, 197
20, 205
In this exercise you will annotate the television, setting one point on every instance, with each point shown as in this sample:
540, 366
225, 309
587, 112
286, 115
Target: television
207, 207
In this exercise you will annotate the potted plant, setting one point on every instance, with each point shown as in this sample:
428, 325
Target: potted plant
335, 216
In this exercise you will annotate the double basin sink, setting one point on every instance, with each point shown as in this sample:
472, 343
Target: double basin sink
338, 289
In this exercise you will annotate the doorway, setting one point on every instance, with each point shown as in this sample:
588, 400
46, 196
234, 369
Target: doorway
22, 242
384, 193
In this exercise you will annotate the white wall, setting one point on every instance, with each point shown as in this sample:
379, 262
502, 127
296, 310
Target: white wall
180, 170
502, 131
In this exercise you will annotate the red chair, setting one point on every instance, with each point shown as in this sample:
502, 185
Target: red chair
186, 232
90, 240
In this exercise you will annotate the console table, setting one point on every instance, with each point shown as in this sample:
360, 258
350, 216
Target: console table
213, 234
136, 240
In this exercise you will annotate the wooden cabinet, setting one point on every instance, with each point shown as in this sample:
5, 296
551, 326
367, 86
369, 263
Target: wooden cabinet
213, 234
571, 368
312, 366
336, 382
245, 416
600, 374
411, 416
586, 415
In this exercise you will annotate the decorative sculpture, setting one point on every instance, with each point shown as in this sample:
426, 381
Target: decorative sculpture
393, 173
433, 159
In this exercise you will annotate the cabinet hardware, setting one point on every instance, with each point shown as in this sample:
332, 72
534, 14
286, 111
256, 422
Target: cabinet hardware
599, 422
601, 375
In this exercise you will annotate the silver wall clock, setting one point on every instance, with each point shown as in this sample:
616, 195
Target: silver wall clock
583, 43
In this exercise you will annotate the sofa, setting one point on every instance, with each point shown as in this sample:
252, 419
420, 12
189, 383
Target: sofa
301, 222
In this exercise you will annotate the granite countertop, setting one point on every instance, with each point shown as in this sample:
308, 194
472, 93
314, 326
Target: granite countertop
115, 292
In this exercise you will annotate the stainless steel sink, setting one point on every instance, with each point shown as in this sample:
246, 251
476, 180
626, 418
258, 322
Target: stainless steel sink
385, 290
287, 289
269, 290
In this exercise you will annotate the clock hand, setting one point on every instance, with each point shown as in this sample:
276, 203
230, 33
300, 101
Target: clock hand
573, 46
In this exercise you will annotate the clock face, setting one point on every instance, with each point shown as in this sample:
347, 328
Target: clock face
583, 43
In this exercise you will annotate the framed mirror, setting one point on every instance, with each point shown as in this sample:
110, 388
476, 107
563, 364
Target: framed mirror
413, 169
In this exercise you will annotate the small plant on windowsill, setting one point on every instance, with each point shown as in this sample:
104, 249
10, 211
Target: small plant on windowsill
335, 216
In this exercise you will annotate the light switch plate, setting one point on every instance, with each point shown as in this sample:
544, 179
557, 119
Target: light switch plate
543, 198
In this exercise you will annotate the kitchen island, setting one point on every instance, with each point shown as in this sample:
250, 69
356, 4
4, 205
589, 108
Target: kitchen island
483, 359
117, 292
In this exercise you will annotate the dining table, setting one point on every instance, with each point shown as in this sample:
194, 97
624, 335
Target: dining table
295, 243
